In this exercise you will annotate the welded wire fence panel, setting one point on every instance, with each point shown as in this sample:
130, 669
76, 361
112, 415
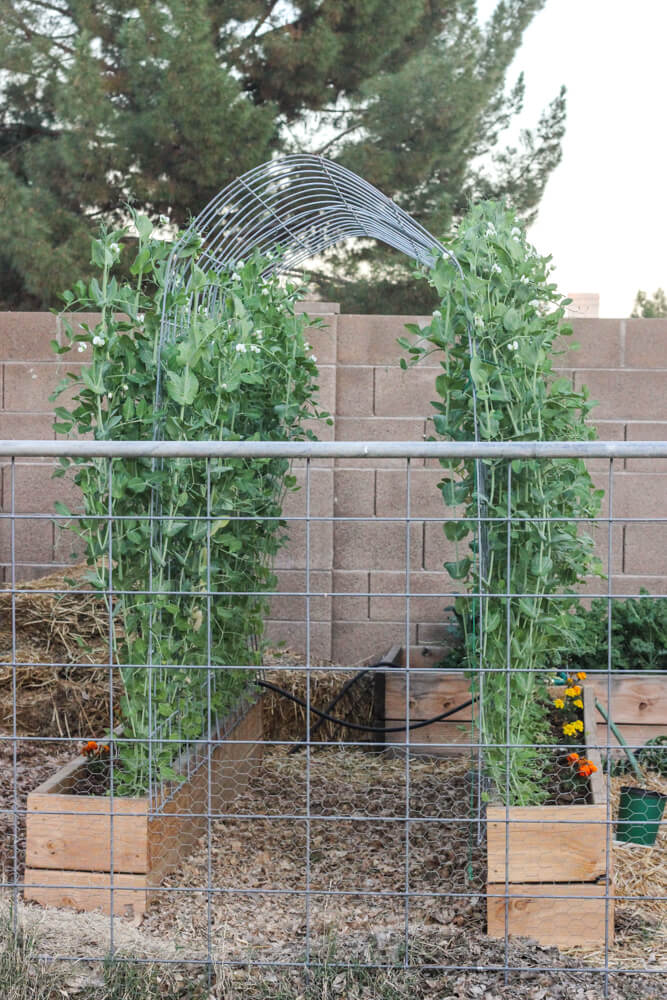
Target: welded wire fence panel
266, 820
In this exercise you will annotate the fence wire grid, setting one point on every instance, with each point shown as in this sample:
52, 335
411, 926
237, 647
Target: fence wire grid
334, 826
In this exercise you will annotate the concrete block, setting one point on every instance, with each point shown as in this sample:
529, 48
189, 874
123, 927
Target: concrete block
287, 606
26, 426
405, 393
28, 386
640, 494
425, 497
353, 642
646, 549
625, 395
427, 605
351, 582
323, 340
375, 545
293, 553
33, 540
628, 584
26, 336
293, 634
325, 397
315, 307
354, 391
320, 487
645, 343
599, 344
35, 491
646, 431
438, 549
371, 340
378, 429
354, 492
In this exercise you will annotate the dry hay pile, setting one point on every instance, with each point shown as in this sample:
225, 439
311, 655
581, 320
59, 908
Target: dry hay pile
61, 638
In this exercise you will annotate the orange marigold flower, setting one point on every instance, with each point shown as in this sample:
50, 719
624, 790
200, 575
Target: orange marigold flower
585, 770
572, 758
581, 675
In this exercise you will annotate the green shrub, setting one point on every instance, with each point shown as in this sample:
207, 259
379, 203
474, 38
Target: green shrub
242, 372
638, 635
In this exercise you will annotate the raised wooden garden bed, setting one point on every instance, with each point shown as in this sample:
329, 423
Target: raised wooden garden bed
638, 707
432, 691
70, 847
537, 853
534, 853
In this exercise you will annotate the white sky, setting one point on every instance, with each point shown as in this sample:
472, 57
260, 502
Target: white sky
603, 216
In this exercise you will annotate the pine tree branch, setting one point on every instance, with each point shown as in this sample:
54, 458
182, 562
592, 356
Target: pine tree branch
331, 142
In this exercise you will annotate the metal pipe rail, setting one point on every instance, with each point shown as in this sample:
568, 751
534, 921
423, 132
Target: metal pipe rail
335, 449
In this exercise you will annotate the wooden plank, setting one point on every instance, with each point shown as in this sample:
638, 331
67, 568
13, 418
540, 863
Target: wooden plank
636, 698
87, 891
547, 843
578, 919
596, 780
61, 829
182, 820
429, 695
442, 739
634, 736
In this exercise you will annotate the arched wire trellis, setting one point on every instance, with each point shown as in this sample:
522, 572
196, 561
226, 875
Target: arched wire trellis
301, 205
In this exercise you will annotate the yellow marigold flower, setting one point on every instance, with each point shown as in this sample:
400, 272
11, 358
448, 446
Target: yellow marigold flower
559, 703
578, 725
578, 703
581, 675
571, 692
568, 729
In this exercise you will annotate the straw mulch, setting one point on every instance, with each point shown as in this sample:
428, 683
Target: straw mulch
640, 924
61, 638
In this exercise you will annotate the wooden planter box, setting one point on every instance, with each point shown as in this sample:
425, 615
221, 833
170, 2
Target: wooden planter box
432, 691
70, 848
537, 853
534, 853
638, 707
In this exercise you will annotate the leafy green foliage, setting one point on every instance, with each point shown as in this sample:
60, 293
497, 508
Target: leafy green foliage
651, 757
162, 105
638, 635
243, 372
495, 332
650, 306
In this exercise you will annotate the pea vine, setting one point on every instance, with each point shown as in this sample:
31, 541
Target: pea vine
497, 331
244, 373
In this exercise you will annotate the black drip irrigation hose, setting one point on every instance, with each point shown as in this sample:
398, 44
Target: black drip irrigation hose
325, 716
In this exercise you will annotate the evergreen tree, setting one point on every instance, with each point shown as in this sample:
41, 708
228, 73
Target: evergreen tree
650, 307
105, 102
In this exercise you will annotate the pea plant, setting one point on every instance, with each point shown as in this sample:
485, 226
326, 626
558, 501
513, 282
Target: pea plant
188, 545
495, 336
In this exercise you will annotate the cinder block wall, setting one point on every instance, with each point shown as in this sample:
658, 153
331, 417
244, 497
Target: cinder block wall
360, 563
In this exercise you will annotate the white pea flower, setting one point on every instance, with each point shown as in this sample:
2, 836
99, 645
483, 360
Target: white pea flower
479, 321
115, 248
235, 276
259, 334
524, 279
141, 317
125, 386
496, 269
241, 348
164, 220
313, 358
514, 346
224, 386
307, 346
254, 348
516, 232
240, 264
110, 396
437, 314
266, 291
490, 229
98, 341
33, 375
81, 348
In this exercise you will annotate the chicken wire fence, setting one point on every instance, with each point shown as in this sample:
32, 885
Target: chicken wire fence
330, 823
